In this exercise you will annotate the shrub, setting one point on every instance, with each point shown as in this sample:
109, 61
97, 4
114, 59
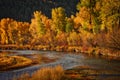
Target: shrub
114, 40
47, 73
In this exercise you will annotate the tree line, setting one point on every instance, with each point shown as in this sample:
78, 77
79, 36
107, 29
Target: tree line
96, 24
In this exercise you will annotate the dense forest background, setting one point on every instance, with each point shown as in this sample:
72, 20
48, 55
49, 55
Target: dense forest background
22, 10
95, 28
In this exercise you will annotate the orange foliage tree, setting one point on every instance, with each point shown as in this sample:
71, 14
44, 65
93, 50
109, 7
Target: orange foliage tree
13, 32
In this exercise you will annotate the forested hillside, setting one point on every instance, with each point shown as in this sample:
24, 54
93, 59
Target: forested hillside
22, 10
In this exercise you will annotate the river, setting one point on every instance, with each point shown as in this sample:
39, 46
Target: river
66, 60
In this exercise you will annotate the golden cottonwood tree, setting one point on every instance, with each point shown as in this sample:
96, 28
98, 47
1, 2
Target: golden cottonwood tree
89, 15
110, 14
69, 25
74, 39
13, 32
37, 27
58, 19
4, 30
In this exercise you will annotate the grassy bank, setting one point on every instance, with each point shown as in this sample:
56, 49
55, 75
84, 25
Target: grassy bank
20, 61
13, 62
47, 73
96, 51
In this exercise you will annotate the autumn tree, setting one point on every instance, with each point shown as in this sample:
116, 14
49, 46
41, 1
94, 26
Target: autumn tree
37, 27
58, 19
74, 39
23, 33
69, 25
4, 28
2, 36
110, 14
89, 15
7, 26
61, 39
13, 32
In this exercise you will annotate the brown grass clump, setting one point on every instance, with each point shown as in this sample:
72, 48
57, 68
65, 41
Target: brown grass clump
47, 73
55, 73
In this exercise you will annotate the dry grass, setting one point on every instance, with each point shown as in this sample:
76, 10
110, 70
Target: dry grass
11, 62
57, 73
47, 73
5, 61
20, 61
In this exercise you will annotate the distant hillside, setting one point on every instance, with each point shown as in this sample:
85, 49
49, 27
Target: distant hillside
22, 10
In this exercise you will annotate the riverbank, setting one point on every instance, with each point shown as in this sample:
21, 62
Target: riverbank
67, 60
96, 51
13, 62
88, 73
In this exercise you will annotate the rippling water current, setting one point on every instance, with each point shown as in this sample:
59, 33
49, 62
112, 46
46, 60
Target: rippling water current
67, 61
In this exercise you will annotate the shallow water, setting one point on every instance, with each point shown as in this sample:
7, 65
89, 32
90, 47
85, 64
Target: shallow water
67, 61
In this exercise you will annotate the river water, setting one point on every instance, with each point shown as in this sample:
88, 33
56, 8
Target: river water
66, 60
